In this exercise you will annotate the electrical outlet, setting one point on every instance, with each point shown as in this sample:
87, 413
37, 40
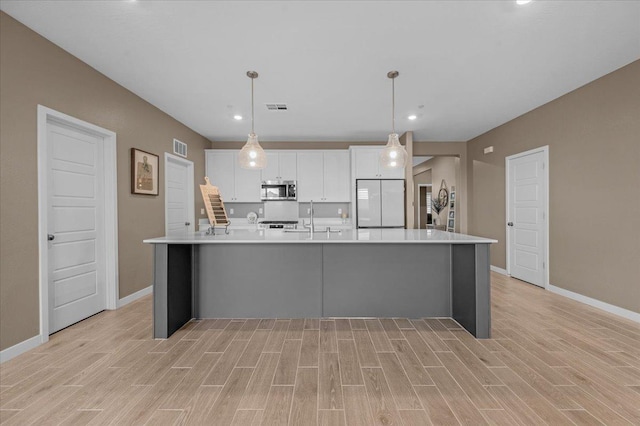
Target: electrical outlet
308, 211
339, 211
230, 211
260, 210
201, 211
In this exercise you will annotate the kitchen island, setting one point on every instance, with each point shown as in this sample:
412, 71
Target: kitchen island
351, 273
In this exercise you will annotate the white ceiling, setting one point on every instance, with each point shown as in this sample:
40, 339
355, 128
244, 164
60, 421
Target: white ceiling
473, 64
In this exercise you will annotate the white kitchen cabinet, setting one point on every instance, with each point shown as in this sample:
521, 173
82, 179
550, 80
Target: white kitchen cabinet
323, 176
280, 166
310, 183
336, 176
235, 183
367, 165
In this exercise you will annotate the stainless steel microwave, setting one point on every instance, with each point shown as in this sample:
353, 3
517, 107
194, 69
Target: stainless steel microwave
278, 190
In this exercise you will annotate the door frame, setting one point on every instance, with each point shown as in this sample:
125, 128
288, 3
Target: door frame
420, 185
545, 171
190, 189
109, 158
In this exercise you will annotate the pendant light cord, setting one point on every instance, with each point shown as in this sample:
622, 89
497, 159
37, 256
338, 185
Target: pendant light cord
393, 104
252, 131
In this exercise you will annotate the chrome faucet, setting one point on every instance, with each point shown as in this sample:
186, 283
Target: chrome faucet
312, 227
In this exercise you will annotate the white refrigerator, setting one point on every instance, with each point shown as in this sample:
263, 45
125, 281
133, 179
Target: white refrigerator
380, 203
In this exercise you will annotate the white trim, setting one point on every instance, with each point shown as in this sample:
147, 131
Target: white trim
612, 309
45, 115
20, 348
135, 296
499, 270
190, 188
545, 152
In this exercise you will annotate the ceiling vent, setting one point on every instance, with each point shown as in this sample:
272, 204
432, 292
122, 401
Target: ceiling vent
277, 107
179, 148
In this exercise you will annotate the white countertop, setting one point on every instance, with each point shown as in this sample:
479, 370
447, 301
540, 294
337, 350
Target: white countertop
395, 236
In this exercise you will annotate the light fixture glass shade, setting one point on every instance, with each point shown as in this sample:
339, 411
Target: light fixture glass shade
393, 156
252, 156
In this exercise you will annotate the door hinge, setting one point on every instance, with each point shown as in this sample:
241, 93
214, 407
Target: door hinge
543, 265
543, 166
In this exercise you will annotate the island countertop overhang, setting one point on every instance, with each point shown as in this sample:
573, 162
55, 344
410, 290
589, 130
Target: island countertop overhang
356, 236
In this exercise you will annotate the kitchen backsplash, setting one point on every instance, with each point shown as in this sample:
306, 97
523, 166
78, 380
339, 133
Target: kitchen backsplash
241, 210
323, 209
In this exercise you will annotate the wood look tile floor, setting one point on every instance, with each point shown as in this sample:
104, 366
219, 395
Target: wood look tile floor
551, 361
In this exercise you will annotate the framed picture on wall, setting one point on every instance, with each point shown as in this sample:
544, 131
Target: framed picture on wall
453, 196
144, 172
451, 224
452, 214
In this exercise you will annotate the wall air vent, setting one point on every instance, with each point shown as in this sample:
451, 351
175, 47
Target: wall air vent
179, 148
277, 107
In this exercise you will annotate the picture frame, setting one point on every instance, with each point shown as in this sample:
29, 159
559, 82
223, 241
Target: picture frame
144, 172
452, 214
452, 205
452, 196
451, 224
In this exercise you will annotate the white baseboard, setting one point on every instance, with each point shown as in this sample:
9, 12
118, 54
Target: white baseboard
499, 270
20, 348
36, 341
135, 296
612, 309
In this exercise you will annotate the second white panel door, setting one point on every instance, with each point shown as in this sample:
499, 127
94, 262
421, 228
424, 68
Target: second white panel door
527, 205
179, 195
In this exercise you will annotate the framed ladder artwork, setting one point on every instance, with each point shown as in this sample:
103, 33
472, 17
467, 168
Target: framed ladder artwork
451, 217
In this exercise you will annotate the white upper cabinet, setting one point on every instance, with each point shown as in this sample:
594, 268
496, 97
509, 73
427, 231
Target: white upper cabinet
280, 166
310, 184
367, 165
235, 183
323, 176
336, 176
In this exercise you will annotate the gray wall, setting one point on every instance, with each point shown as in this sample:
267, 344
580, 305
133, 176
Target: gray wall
593, 135
35, 71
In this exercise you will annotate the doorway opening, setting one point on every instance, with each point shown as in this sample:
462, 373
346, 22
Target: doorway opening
77, 220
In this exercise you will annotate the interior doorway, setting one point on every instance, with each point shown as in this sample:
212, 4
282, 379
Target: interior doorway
424, 205
179, 197
527, 192
77, 214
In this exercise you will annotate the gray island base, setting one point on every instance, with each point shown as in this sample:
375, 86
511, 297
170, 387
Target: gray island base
359, 273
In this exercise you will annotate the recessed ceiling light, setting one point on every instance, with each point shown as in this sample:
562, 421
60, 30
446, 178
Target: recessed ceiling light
522, 2
412, 117
237, 117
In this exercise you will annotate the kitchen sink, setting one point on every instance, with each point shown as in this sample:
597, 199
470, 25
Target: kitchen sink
317, 231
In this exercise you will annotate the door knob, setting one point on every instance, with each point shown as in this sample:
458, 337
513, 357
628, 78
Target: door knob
510, 224
187, 223
51, 237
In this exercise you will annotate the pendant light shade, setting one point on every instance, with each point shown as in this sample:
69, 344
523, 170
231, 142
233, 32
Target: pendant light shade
394, 155
252, 155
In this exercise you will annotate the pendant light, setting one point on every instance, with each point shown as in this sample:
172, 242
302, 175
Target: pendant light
252, 155
393, 156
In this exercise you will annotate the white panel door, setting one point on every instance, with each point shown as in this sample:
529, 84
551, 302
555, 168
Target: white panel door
336, 176
369, 213
77, 278
392, 203
526, 216
179, 195
310, 177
